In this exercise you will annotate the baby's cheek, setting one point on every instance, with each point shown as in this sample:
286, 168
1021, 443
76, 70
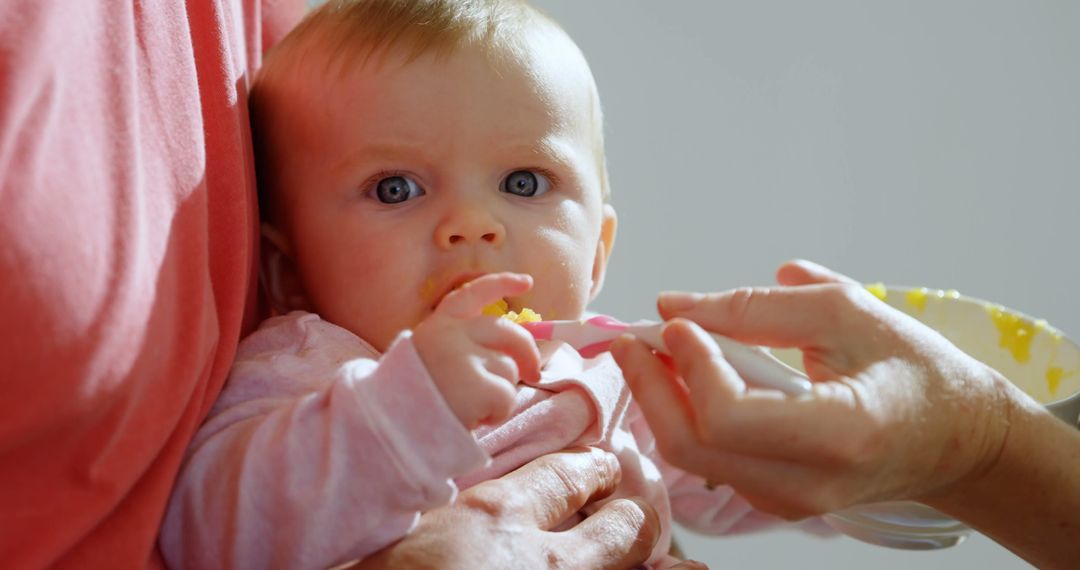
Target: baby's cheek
372, 296
563, 275
562, 294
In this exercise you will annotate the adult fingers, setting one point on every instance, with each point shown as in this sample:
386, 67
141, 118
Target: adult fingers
771, 316
758, 441
550, 488
470, 299
621, 534
663, 399
710, 381
709, 397
689, 565
803, 272
729, 417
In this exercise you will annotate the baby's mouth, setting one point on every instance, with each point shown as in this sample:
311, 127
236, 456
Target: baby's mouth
498, 308
517, 313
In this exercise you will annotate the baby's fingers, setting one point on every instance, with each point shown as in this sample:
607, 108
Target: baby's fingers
494, 396
472, 297
507, 338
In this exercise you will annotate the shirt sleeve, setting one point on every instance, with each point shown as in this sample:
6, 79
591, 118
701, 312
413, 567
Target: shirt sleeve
315, 456
128, 232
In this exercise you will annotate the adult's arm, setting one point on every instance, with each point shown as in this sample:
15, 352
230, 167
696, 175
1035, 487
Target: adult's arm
1029, 498
896, 412
506, 522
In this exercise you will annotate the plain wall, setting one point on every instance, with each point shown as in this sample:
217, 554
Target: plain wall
932, 143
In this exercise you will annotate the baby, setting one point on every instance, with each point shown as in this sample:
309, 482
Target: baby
418, 162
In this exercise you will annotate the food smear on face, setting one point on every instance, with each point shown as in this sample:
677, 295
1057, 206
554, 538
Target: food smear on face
427, 290
1016, 331
500, 308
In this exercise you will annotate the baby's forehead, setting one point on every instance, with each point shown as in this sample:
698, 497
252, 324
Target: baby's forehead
537, 73
533, 62
338, 38
467, 98
538, 53
557, 66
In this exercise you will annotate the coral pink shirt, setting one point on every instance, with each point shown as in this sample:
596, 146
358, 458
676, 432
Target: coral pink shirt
127, 247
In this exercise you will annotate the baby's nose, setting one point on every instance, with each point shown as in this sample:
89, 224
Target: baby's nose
469, 226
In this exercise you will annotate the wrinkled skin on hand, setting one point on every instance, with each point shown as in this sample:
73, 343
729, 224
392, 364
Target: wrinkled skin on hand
896, 410
506, 522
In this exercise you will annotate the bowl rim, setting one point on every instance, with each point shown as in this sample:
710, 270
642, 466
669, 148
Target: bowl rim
1066, 408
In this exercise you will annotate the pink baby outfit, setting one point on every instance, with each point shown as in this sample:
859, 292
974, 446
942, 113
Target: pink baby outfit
321, 451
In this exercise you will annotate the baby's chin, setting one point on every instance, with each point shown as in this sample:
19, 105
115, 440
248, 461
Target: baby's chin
382, 337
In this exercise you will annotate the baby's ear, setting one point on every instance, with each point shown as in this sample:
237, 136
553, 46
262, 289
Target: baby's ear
603, 249
278, 275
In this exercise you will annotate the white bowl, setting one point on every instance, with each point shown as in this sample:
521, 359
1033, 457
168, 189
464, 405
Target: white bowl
1033, 355
1029, 352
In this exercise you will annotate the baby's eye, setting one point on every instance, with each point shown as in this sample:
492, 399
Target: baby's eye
397, 189
525, 183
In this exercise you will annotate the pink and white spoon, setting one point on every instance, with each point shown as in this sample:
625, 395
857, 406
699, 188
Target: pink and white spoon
593, 336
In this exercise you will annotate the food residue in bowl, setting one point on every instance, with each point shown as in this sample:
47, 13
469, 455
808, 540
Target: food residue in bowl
1054, 374
917, 298
1016, 331
878, 290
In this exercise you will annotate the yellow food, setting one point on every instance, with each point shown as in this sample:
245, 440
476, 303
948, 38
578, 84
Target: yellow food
1054, 374
1016, 332
501, 309
917, 298
497, 309
878, 289
526, 315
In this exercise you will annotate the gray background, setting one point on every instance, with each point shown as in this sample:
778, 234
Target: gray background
915, 143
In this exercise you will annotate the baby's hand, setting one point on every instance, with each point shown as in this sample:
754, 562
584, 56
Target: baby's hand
476, 360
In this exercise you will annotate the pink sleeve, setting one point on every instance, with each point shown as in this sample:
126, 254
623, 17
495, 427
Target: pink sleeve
311, 460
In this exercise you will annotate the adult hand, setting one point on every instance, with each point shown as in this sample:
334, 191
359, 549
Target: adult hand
896, 411
506, 522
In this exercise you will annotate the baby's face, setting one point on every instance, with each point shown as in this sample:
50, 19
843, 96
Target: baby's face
430, 173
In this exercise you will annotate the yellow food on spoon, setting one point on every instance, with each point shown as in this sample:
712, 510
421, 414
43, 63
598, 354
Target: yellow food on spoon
501, 309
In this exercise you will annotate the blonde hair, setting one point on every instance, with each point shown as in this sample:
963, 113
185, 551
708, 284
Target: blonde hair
339, 34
